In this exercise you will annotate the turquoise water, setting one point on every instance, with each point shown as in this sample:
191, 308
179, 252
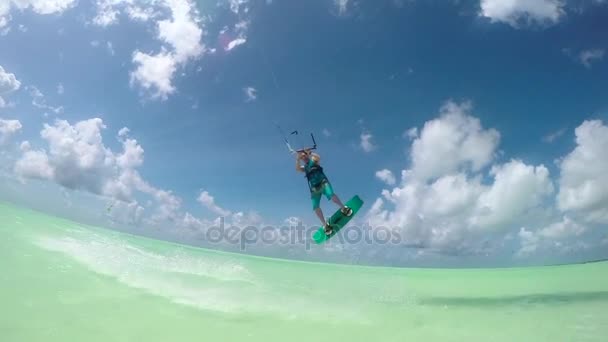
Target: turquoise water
62, 281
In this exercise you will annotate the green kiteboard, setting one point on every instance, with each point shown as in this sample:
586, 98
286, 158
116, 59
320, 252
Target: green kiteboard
338, 220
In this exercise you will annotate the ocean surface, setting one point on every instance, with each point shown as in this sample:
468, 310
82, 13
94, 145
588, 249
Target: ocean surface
63, 281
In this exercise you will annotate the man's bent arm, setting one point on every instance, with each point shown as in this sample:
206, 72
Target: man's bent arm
299, 167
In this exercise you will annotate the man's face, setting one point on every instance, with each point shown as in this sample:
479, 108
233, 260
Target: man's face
304, 156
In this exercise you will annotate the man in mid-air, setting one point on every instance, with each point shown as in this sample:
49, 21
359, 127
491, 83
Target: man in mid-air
319, 185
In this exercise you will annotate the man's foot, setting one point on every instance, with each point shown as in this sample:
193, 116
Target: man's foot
346, 211
328, 229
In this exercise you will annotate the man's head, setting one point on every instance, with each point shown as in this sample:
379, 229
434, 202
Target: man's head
304, 155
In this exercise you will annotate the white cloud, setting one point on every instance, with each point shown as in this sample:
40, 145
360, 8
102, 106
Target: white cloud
411, 133
60, 89
522, 12
208, 202
38, 6
517, 188
557, 235
234, 43
34, 164
326, 133
242, 219
108, 11
342, 6
123, 132
239, 218
239, 6
25, 146
181, 35
107, 14
583, 179
451, 209
251, 94
39, 100
292, 221
551, 137
451, 142
366, 142
8, 84
562, 229
587, 57
237, 37
110, 48
155, 72
529, 242
8, 128
386, 176
182, 31
77, 159
140, 13
126, 212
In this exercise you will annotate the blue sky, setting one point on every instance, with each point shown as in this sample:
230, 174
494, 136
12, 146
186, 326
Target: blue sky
505, 105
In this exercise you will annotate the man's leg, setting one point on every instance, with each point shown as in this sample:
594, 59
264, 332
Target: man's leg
336, 200
329, 192
319, 213
316, 200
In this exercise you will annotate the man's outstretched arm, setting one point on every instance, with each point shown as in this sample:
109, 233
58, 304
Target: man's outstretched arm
299, 166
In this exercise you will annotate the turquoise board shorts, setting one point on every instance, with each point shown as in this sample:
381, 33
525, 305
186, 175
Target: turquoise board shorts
324, 189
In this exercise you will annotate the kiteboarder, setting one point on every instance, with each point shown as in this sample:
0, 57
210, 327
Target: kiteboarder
319, 185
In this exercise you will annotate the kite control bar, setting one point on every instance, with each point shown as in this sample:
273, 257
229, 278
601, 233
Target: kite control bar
306, 149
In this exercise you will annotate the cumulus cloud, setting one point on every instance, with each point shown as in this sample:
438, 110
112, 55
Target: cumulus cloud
556, 236
154, 73
108, 11
517, 188
33, 164
8, 84
208, 202
443, 202
37, 6
8, 128
182, 36
225, 216
386, 176
77, 159
583, 174
523, 12
452, 142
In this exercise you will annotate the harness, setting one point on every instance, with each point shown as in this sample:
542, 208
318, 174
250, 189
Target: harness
315, 176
